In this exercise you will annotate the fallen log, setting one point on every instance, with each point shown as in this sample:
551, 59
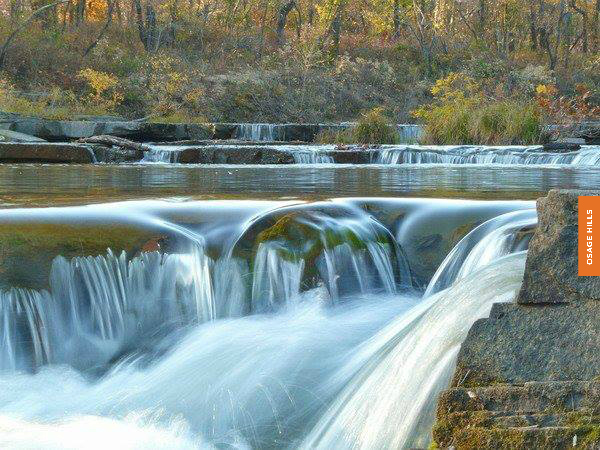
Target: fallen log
115, 142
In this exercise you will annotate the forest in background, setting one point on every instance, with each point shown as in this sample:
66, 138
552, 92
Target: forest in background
304, 60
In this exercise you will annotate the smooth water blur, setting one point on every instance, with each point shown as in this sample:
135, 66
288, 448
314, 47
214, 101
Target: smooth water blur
245, 333
281, 312
390, 402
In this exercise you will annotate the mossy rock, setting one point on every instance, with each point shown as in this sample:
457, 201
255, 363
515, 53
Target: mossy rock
303, 233
27, 249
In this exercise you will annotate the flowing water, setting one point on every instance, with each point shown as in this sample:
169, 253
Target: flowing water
243, 323
277, 132
312, 305
510, 155
588, 155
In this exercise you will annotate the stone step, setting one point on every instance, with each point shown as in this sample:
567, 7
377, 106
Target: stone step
510, 419
44, 152
556, 396
546, 438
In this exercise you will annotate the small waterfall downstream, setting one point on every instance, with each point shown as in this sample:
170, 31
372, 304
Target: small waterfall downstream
299, 326
160, 154
588, 156
312, 157
257, 132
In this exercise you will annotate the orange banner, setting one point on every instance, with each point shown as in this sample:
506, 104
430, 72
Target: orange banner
589, 236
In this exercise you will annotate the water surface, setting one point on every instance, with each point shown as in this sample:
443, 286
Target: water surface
29, 184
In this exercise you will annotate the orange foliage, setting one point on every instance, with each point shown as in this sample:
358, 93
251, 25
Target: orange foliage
567, 111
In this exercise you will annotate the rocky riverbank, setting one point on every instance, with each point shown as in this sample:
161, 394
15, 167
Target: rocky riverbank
141, 131
529, 375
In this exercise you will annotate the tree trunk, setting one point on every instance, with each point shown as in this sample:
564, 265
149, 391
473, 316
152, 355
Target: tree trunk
545, 43
584, 24
282, 16
336, 30
597, 26
15, 10
147, 28
80, 8
482, 16
109, 16
397, 17
533, 28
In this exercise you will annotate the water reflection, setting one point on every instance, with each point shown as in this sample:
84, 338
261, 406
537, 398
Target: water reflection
44, 184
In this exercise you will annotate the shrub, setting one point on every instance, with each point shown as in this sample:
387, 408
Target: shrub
459, 115
506, 122
105, 95
334, 137
374, 128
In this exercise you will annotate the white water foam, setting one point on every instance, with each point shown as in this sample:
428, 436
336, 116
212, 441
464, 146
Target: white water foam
511, 155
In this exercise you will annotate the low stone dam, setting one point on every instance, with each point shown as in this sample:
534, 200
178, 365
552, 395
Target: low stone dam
65, 130
237, 153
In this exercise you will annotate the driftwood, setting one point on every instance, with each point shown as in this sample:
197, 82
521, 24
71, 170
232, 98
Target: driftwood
115, 142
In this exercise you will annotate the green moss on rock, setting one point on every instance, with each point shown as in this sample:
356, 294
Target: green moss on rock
27, 249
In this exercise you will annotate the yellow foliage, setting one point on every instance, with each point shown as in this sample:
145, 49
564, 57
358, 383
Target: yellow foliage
105, 96
96, 10
99, 82
461, 115
456, 86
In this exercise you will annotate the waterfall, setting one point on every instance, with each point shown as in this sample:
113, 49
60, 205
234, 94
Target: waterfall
275, 278
499, 236
409, 134
390, 402
257, 132
368, 373
589, 155
300, 330
311, 157
99, 306
160, 154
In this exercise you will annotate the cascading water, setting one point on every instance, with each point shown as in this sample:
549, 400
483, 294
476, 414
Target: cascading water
257, 132
98, 307
409, 134
588, 156
308, 335
160, 154
389, 403
500, 236
312, 157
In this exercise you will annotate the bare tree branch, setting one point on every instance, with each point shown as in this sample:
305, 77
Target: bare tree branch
38, 12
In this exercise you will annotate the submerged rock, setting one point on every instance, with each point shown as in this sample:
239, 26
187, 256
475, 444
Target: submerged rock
528, 376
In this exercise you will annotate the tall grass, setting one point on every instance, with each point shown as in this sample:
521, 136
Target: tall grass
505, 122
373, 127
